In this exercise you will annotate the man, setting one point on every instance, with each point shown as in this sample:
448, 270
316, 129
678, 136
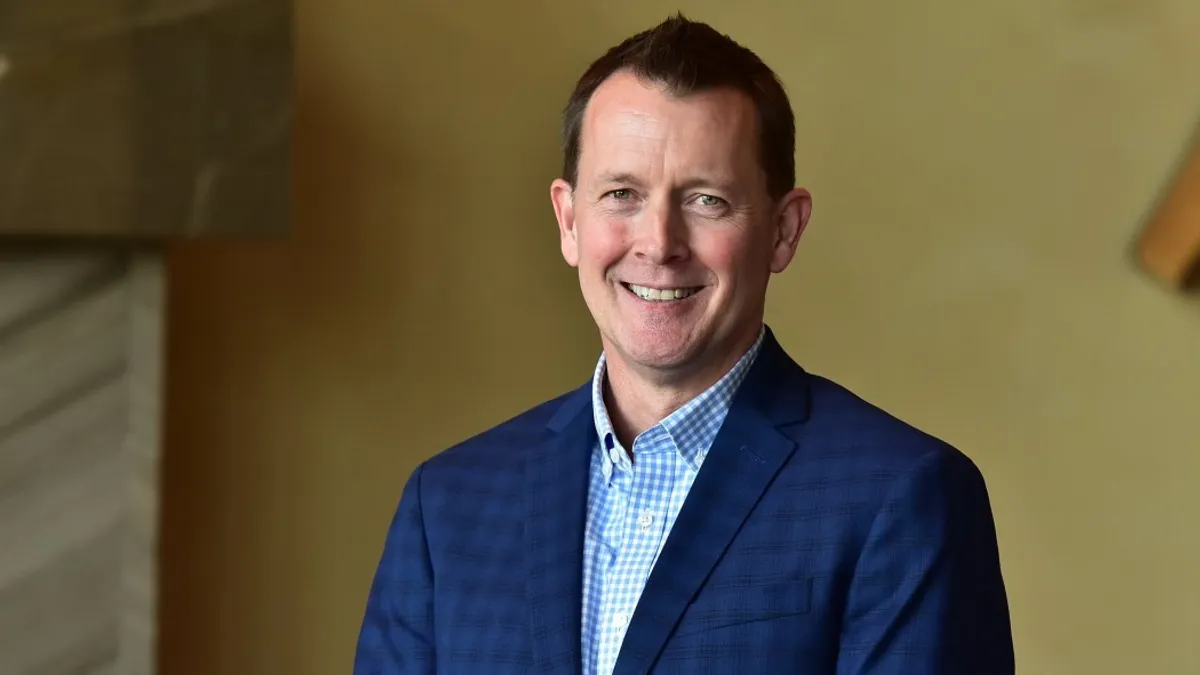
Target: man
703, 504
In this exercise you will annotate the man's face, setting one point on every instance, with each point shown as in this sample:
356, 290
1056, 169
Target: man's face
671, 227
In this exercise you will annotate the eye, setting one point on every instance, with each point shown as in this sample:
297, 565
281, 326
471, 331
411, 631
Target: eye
709, 201
620, 195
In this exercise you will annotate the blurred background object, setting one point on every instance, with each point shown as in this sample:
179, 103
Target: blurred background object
145, 119
1169, 248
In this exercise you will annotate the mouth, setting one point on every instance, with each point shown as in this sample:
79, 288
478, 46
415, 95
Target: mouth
662, 294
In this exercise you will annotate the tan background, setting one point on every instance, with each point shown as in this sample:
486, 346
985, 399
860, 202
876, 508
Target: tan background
979, 171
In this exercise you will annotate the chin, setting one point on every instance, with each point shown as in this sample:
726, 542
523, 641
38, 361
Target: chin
658, 349
660, 360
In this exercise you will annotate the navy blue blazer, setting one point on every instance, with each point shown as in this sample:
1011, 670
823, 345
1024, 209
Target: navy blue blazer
821, 536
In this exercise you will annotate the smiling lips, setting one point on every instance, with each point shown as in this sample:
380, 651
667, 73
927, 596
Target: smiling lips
662, 294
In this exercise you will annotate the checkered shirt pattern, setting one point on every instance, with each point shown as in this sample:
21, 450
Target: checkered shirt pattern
632, 505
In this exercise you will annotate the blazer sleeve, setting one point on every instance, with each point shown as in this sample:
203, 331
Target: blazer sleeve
396, 637
927, 594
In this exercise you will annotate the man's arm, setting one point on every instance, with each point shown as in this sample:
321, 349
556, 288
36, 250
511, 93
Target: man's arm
928, 596
397, 632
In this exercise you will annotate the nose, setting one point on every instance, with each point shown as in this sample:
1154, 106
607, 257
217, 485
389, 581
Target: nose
661, 235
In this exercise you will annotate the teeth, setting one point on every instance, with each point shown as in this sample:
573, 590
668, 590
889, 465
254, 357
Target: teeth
647, 293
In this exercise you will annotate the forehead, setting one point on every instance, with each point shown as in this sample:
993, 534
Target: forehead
632, 125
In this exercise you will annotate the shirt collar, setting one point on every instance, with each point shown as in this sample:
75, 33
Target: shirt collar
694, 426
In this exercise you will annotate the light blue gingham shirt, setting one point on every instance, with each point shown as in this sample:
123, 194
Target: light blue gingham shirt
631, 506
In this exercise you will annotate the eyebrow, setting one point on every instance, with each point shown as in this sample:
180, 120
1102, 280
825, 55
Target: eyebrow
722, 184
608, 179
619, 179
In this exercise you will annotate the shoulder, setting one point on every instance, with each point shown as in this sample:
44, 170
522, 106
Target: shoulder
839, 433
867, 439
875, 467
504, 446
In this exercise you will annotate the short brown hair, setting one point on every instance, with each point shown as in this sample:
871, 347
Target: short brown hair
688, 56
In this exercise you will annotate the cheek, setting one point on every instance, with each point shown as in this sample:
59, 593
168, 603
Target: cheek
601, 244
726, 254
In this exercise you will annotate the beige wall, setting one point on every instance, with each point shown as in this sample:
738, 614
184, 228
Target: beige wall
979, 170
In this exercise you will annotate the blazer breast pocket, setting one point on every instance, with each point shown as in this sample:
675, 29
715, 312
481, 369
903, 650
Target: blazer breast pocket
736, 605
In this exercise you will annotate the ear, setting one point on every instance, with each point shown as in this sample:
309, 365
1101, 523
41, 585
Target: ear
562, 195
791, 219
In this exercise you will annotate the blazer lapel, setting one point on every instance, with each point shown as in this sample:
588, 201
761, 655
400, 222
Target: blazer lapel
748, 452
556, 487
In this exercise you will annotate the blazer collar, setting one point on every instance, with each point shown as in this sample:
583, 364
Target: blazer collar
750, 449
746, 454
776, 389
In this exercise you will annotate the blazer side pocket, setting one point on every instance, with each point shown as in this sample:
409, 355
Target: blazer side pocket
734, 606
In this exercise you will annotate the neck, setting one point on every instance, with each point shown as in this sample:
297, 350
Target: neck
638, 398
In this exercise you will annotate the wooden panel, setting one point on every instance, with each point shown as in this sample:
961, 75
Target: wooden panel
1169, 249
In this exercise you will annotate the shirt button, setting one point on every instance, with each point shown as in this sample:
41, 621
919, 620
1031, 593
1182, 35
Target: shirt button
646, 520
620, 620
614, 453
